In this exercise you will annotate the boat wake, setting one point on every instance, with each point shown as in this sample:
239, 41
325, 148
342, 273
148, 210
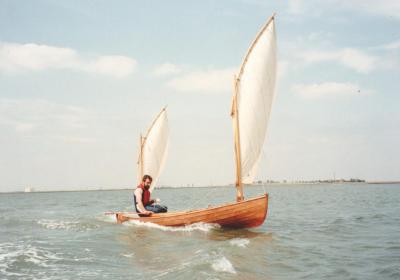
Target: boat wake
239, 242
13, 255
204, 227
223, 265
198, 261
108, 217
67, 225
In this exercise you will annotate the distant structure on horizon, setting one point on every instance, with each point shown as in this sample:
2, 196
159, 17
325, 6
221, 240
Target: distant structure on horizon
28, 189
352, 180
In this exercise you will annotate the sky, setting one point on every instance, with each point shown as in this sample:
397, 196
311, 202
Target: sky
80, 80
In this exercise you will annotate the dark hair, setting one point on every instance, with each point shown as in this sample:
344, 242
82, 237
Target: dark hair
147, 177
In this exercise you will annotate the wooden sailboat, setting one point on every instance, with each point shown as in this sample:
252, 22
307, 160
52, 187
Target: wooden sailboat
253, 93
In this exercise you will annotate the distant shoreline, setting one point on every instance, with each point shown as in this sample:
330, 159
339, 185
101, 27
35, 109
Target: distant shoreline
384, 182
230, 185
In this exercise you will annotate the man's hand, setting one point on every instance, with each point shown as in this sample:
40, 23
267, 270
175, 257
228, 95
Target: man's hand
146, 213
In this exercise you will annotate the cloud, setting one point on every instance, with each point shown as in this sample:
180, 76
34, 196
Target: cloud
206, 81
328, 89
167, 69
16, 58
390, 8
295, 6
23, 127
391, 46
114, 66
40, 117
348, 57
283, 68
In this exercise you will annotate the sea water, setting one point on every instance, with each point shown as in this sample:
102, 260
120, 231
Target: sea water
344, 231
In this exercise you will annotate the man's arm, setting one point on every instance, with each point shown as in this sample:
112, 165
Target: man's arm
139, 203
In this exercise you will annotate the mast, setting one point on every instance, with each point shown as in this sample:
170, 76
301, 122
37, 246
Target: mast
235, 113
238, 161
140, 162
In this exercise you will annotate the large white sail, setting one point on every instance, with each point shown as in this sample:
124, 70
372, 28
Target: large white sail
255, 90
154, 148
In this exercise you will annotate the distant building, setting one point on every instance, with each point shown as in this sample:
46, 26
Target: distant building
28, 189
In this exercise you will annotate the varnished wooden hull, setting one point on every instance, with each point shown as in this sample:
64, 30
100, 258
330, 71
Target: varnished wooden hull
243, 214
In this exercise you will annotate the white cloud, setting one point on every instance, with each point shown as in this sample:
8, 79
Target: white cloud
328, 89
167, 69
207, 81
295, 6
348, 57
390, 8
283, 67
391, 46
115, 66
23, 127
41, 117
15, 58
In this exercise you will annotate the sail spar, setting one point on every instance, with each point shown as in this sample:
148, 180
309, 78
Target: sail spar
254, 90
153, 148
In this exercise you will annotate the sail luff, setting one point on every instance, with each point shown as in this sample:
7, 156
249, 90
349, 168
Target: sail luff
260, 33
153, 123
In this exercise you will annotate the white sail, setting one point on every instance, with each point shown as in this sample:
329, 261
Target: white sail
255, 90
154, 148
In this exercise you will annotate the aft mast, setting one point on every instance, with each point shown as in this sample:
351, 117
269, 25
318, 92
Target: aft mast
238, 161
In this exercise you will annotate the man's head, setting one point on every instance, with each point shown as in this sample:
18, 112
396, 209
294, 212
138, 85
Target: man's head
147, 181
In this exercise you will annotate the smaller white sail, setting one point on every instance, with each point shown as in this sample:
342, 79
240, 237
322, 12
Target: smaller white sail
154, 149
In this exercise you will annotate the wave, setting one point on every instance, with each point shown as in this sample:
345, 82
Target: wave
108, 217
240, 242
66, 225
211, 264
131, 255
223, 265
193, 227
13, 255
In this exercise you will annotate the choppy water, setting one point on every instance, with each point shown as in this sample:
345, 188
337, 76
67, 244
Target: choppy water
311, 232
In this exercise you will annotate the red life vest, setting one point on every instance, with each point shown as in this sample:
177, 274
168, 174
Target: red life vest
145, 195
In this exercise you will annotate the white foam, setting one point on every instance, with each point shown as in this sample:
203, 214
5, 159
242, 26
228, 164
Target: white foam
128, 255
11, 253
193, 227
224, 265
199, 258
53, 224
66, 225
240, 242
108, 217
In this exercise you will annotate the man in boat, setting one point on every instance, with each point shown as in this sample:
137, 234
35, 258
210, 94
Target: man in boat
143, 204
